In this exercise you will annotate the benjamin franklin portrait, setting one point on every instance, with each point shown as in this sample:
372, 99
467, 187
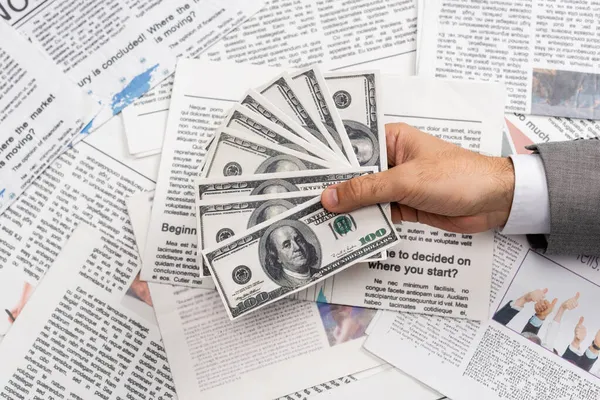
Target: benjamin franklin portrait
290, 253
274, 186
268, 210
364, 143
282, 163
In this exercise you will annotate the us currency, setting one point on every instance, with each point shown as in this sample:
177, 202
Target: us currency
275, 183
260, 105
220, 219
243, 119
237, 153
280, 92
293, 251
357, 98
312, 90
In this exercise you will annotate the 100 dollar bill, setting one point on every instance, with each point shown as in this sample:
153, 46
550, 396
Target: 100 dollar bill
312, 88
276, 183
243, 119
357, 97
281, 93
237, 153
262, 106
293, 251
220, 219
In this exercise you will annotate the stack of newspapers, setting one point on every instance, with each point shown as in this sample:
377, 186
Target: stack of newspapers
263, 233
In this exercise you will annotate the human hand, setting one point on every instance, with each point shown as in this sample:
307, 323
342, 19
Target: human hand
580, 334
535, 295
595, 342
13, 314
570, 304
433, 182
543, 308
141, 290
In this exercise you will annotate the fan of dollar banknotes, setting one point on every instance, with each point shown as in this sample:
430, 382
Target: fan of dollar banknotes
262, 231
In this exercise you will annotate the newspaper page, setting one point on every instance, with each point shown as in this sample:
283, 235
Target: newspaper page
140, 207
543, 328
543, 51
390, 384
203, 93
41, 112
334, 33
78, 339
431, 271
529, 129
281, 349
316, 390
128, 48
212, 22
89, 183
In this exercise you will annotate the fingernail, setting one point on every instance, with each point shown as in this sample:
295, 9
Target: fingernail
331, 197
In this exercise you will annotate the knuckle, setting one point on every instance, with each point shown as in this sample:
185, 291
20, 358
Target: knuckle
355, 189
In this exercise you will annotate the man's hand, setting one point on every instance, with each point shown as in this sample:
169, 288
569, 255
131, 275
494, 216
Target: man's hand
432, 182
543, 308
580, 334
596, 342
570, 304
534, 295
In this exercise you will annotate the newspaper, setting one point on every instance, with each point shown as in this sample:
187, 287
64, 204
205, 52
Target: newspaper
129, 47
89, 183
430, 271
390, 384
77, 338
295, 34
41, 112
140, 206
299, 344
203, 93
538, 343
542, 52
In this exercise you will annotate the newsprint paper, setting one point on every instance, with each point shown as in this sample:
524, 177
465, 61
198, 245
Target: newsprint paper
544, 51
540, 342
285, 347
335, 33
41, 112
78, 339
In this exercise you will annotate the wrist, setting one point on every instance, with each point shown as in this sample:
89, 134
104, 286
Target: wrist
520, 302
502, 186
576, 343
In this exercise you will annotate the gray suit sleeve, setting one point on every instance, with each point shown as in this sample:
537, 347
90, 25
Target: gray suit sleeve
573, 175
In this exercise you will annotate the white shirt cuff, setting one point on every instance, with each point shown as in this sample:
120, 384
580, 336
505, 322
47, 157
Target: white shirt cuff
512, 305
530, 211
574, 350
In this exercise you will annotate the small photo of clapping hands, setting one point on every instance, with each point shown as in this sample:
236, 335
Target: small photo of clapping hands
554, 308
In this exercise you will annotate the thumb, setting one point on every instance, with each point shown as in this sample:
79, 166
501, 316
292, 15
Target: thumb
366, 190
553, 302
545, 290
580, 321
577, 296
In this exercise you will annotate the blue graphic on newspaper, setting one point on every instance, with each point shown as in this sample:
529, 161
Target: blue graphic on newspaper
135, 89
86, 129
321, 298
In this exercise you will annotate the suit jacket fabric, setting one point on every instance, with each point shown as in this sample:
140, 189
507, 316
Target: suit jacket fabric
505, 314
573, 176
582, 361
